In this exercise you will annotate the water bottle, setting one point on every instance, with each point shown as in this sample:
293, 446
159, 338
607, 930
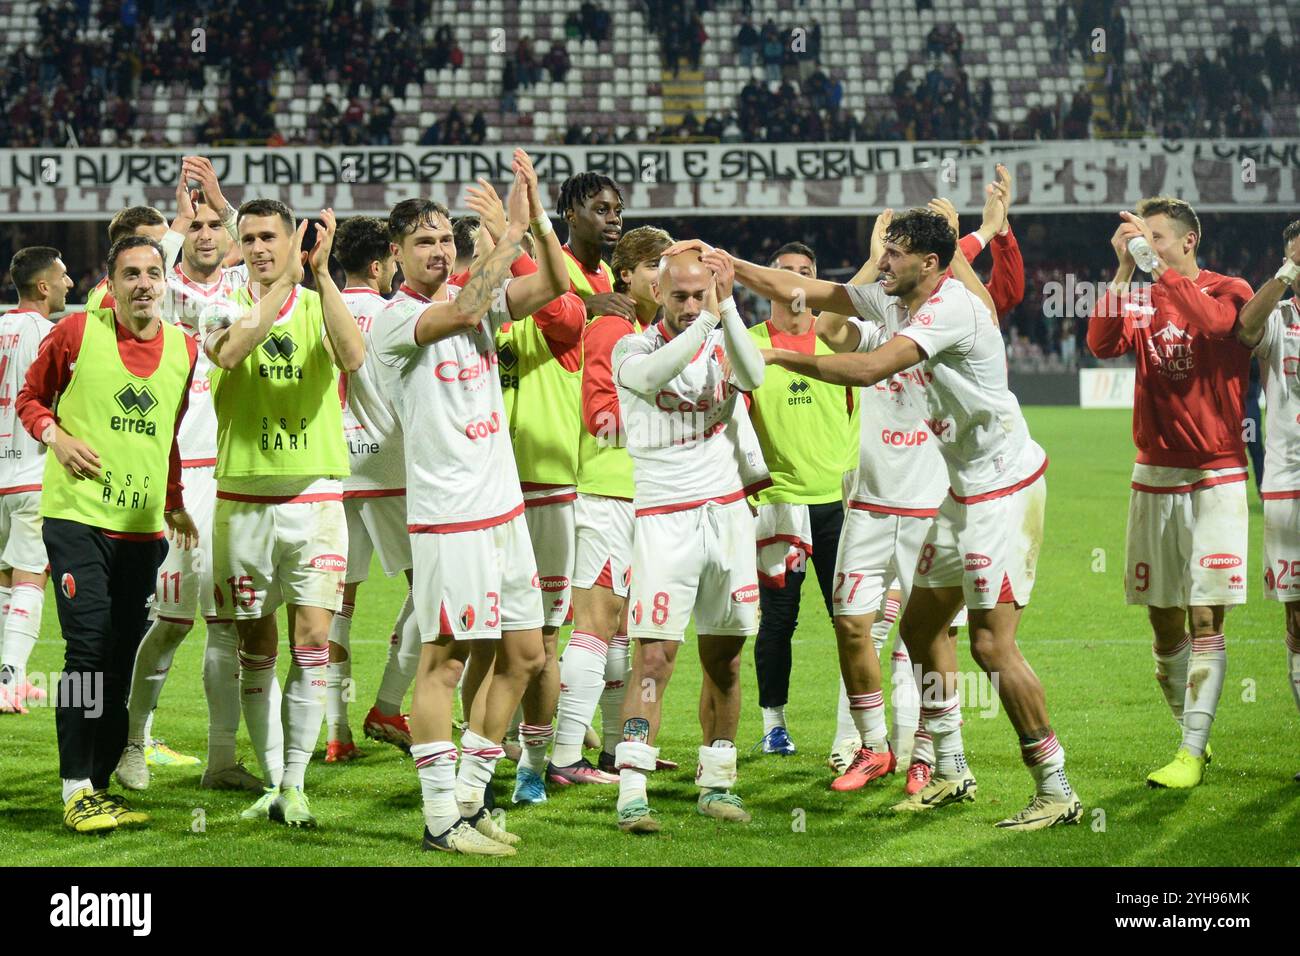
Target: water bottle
1142, 253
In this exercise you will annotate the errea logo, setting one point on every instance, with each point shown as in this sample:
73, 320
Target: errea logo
279, 346
131, 399
76, 909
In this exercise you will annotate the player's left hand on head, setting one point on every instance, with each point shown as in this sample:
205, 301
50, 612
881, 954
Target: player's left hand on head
687, 245
181, 529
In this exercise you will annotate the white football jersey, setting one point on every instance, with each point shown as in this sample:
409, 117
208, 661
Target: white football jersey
22, 458
1279, 367
460, 468
370, 424
981, 431
900, 467
691, 440
186, 305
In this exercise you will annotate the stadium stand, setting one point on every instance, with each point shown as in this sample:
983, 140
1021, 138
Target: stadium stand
115, 72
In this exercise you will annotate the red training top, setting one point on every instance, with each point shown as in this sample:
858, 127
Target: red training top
1191, 370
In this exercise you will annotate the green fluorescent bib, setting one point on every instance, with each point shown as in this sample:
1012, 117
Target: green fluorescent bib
278, 411
542, 401
129, 421
804, 428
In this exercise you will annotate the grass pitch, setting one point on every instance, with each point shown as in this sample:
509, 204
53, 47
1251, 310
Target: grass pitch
1091, 651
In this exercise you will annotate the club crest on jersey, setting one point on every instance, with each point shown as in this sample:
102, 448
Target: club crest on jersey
68, 585
1221, 561
975, 562
131, 399
330, 562
467, 617
636, 613
746, 595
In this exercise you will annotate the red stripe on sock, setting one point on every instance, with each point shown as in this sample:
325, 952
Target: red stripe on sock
866, 701
248, 664
1208, 644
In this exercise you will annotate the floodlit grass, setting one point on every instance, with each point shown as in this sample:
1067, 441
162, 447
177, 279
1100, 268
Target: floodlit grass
1090, 650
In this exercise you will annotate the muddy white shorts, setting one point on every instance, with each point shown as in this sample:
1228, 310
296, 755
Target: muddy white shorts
988, 546
186, 585
268, 554
700, 560
376, 525
1282, 548
604, 543
1187, 537
472, 585
876, 549
20, 530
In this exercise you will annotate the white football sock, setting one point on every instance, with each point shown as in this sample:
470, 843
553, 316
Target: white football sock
403, 658
1293, 665
20, 617
478, 760
221, 687
256, 681
1205, 672
435, 763
844, 725
618, 670
338, 677
1171, 675
906, 702
922, 745
1046, 762
152, 662
772, 717
943, 723
582, 680
868, 711
303, 710
534, 741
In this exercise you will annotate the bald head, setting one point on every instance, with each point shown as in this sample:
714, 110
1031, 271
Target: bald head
683, 283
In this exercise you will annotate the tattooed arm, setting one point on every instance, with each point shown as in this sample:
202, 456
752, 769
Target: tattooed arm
444, 319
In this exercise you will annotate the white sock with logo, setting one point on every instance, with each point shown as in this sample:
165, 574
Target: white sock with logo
20, 618
618, 670
478, 760
303, 710
153, 661
943, 722
259, 695
403, 658
221, 688
868, 712
1206, 669
338, 676
435, 763
582, 679
1171, 675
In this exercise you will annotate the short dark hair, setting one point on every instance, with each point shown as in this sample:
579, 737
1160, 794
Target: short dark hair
128, 220
410, 214
27, 265
923, 231
1179, 210
132, 242
794, 249
463, 230
1291, 231
268, 207
360, 241
576, 190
